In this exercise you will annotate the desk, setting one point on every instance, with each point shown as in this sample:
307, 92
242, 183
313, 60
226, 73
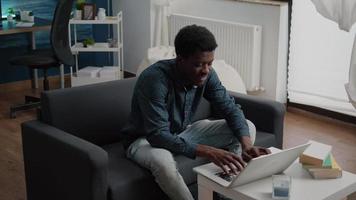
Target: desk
303, 187
8, 28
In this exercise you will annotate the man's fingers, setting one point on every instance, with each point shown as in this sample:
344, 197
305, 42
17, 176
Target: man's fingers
246, 156
263, 151
268, 151
237, 162
222, 166
256, 152
232, 166
227, 160
240, 160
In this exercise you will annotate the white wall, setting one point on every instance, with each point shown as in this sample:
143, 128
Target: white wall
136, 28
274, 22
138, 22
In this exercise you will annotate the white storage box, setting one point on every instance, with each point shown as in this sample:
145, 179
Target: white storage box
89, 72
109, 71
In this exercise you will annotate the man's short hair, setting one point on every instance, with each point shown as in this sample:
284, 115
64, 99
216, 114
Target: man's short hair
191, 39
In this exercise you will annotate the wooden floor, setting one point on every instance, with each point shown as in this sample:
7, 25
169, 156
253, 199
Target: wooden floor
300, 126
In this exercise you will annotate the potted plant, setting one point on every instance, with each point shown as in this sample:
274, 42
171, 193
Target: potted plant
10, 13
79, 9
88, 42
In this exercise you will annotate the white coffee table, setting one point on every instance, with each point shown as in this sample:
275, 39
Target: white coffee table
303, 187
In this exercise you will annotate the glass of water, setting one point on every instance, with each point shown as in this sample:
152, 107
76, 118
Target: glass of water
281, 185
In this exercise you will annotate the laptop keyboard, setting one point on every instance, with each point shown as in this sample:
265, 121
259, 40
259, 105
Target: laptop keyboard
227, 177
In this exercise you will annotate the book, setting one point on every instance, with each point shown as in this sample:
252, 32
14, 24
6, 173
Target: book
316, 154
25, 24
326, 163
334, 171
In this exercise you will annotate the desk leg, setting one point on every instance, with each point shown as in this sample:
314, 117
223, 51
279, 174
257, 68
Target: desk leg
35, 72
33, 76
35, 79
204, 193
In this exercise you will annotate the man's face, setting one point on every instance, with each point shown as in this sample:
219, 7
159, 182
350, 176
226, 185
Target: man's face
196, 68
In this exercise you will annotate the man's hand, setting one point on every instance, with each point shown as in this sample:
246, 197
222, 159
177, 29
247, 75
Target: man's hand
224, 159
249, 151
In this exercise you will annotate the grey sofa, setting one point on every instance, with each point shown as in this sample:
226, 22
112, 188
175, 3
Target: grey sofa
74, 151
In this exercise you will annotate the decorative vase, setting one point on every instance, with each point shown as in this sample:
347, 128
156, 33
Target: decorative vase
31, 18
78, 14
88, 45
10, 18
101, 14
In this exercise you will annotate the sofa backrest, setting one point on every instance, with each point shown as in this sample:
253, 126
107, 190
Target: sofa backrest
93, 112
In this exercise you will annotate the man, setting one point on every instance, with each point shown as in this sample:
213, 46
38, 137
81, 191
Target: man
165, 99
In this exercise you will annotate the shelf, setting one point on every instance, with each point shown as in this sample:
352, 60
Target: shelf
98, 47
111, 20
77, 48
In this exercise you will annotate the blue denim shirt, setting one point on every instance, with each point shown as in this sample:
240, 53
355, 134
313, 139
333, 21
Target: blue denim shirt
162, 107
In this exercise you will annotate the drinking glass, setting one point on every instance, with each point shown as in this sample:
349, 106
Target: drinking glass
281, 185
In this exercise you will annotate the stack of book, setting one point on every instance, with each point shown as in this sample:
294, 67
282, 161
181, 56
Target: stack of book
319, 161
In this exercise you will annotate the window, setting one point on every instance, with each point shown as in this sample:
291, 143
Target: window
319, 60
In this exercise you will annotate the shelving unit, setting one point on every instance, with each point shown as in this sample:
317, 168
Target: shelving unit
77, 47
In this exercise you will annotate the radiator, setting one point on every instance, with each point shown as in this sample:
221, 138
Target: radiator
238, 44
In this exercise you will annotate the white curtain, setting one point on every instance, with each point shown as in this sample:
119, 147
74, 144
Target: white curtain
342, 12
320, 56
162, 11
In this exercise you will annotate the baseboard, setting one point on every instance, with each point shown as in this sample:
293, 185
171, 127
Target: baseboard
324, 112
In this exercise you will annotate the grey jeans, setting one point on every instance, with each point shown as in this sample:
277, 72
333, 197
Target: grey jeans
161, 162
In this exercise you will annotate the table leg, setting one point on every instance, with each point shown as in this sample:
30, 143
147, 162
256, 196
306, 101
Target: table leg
204, 193
61, 69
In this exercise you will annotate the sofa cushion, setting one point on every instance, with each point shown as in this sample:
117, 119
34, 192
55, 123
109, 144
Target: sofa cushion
127, 180
95, 113
185, 166
264, 139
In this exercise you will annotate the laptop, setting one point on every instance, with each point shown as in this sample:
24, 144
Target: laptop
256, 169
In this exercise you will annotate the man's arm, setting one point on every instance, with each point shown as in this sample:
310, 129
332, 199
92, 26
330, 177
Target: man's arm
223, 103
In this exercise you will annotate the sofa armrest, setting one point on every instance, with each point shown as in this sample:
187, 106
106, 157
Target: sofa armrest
61, 166
267, 115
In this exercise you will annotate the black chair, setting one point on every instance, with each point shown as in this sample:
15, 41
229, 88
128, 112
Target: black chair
58, 55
